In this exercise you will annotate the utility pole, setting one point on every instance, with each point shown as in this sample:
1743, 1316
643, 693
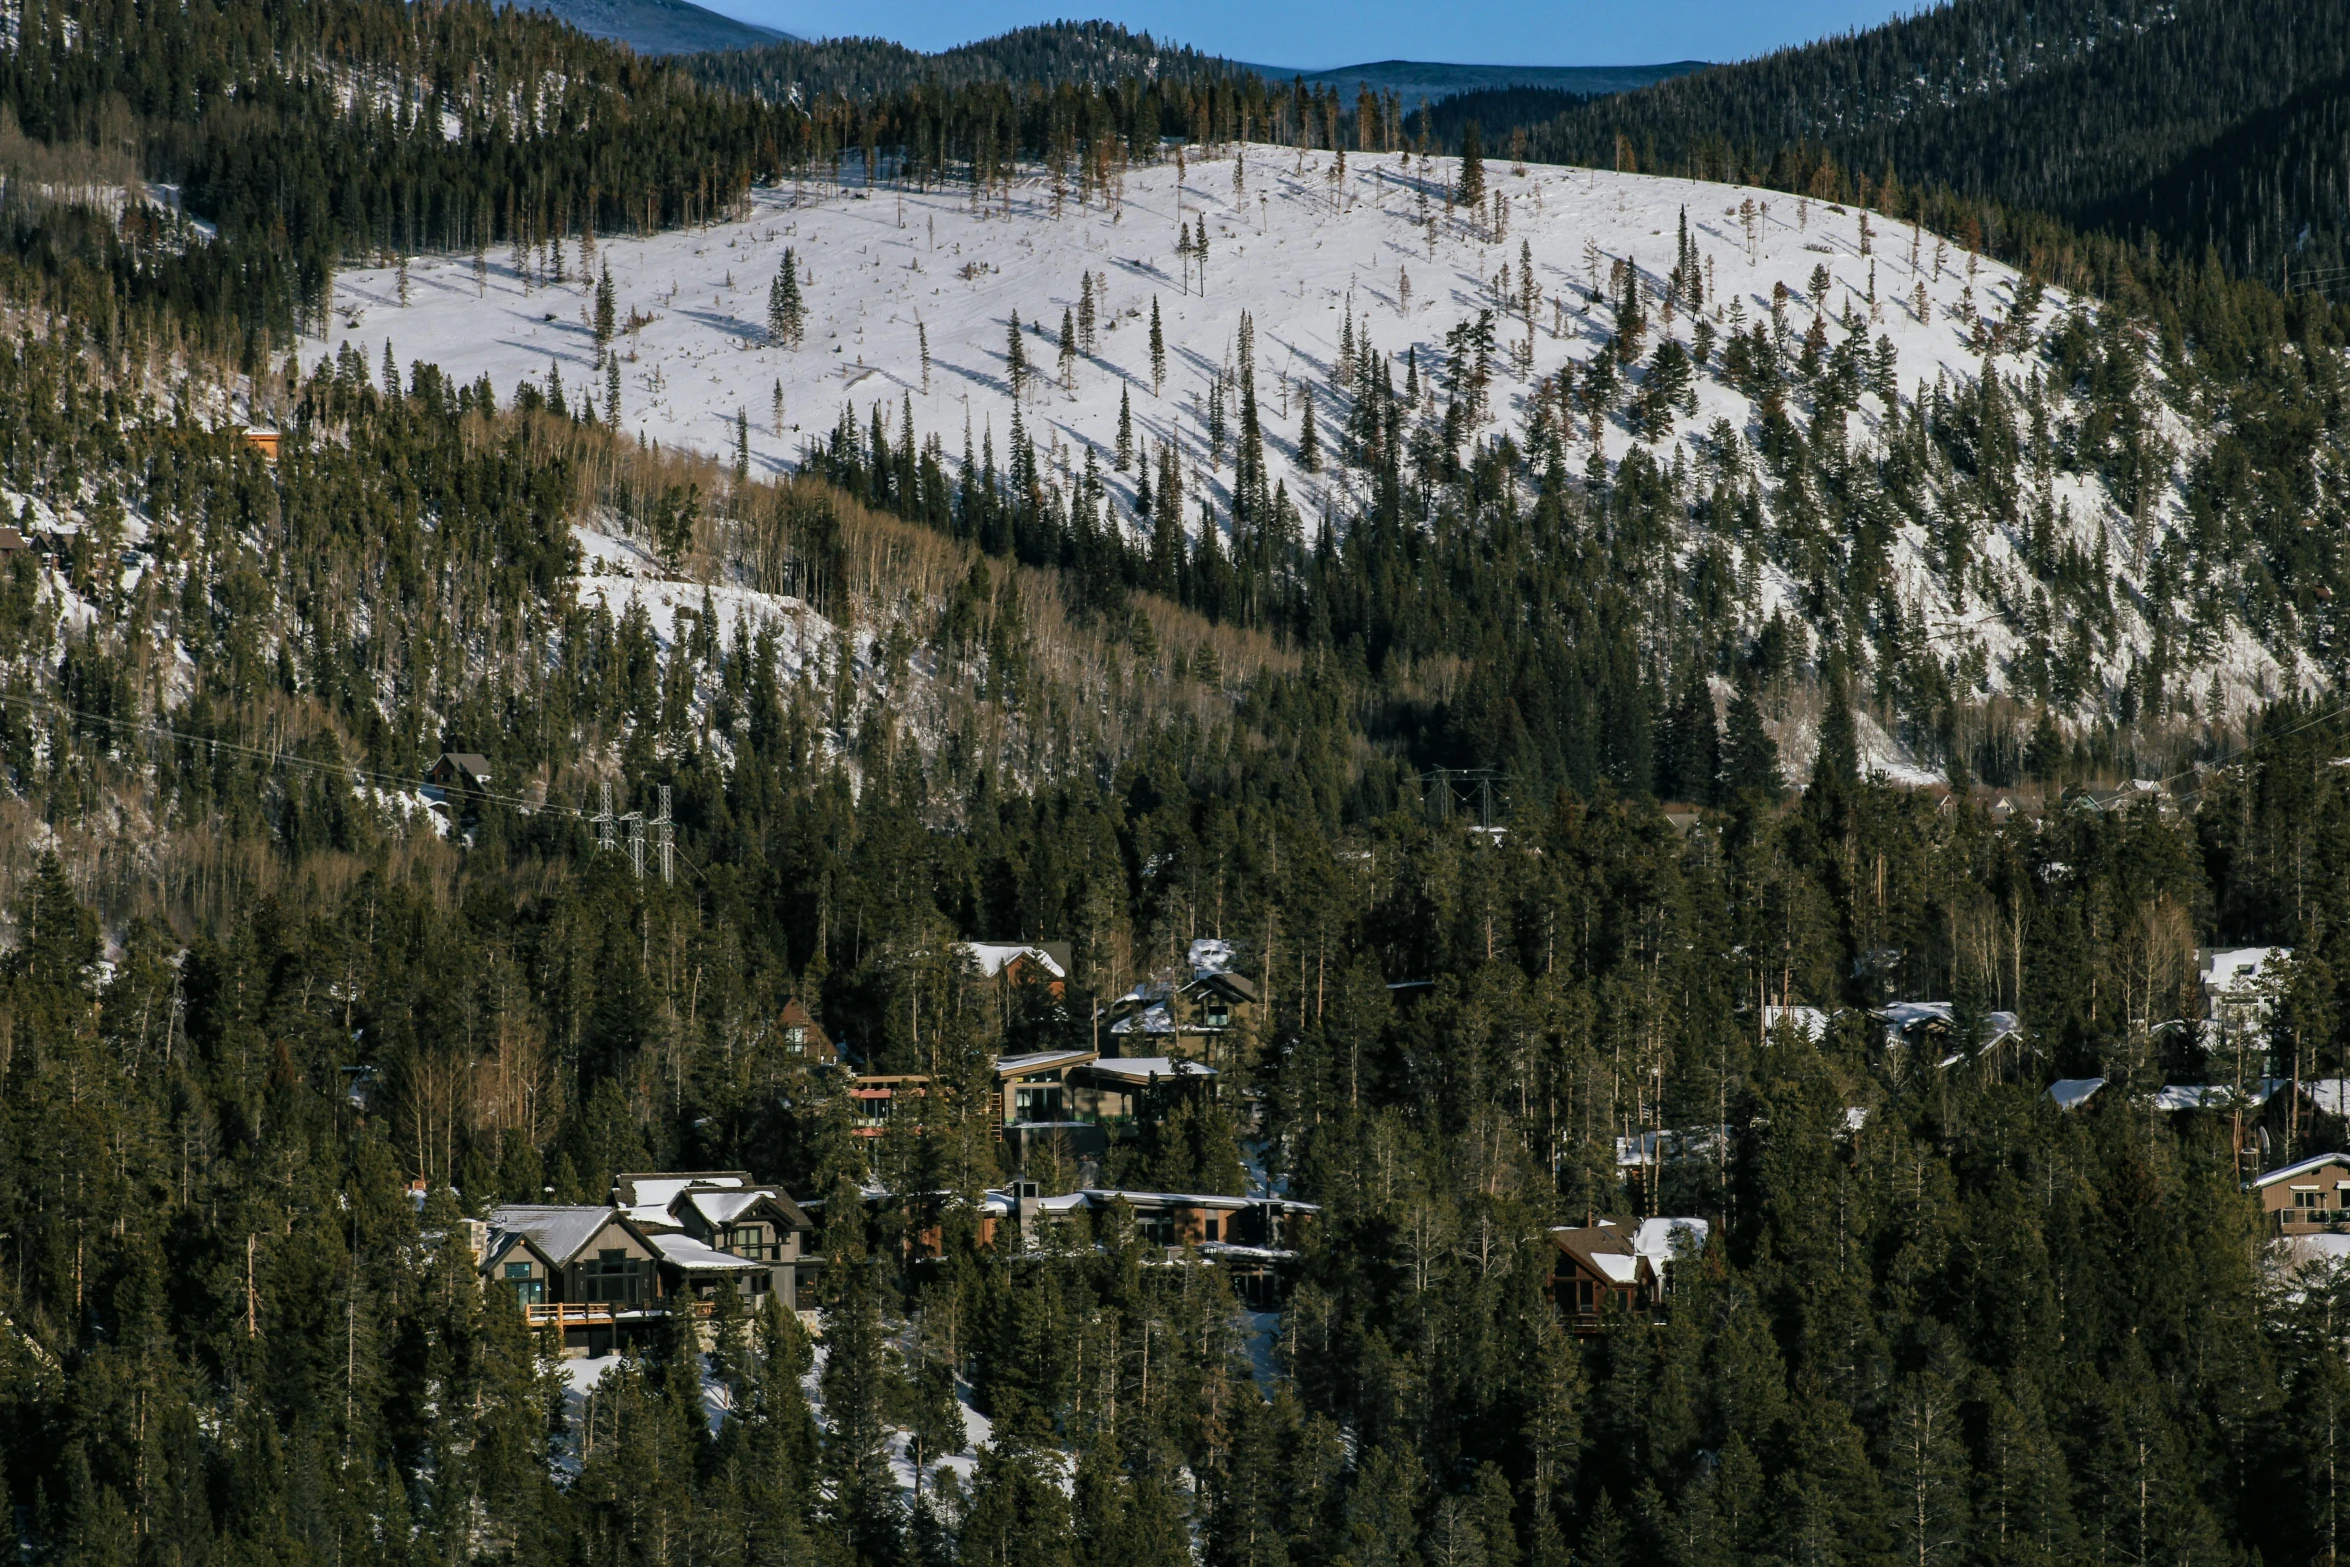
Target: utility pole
664, 838
636, 842
603, 820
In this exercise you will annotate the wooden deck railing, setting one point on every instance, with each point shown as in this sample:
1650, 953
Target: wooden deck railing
578, 1313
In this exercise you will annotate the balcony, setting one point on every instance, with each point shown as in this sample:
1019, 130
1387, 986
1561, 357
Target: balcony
590, 1313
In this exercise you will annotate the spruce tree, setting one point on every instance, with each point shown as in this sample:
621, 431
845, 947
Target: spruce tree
1309, 446
1750, 757
1158, 351
787, 313
605, 309
1015, 357
1471, 189
1125, 453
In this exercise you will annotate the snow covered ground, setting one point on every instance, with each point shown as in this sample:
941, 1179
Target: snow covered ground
1312, 257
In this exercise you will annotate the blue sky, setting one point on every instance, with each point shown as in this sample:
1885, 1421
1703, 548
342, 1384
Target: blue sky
1318, 34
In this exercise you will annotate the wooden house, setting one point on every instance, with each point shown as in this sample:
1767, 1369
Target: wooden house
882, 1101
1119, 1091
1614, 1265
2308, 1198
1013, 964
264, 441
588, 1272
803, 1037
1206, 1017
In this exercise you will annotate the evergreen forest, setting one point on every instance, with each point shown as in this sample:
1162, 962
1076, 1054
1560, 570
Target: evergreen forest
272, 1030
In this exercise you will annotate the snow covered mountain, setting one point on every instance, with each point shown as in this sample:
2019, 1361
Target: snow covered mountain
1335, 264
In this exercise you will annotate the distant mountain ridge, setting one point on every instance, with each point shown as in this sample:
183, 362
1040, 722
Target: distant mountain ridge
1051, 53
1412, 80
1098, 53
658, 27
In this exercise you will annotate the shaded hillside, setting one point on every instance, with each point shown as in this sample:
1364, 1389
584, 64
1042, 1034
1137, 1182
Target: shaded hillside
658, 26
2179, 119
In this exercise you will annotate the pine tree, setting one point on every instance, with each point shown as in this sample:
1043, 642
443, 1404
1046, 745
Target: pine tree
1692, 753
1085, 313
742, 446
1068, 354
612, 390
1750, 758
787, 312
1125, 454
1158, 351
775, 414
1309, 445
606, 305
1015, 357
1471, 190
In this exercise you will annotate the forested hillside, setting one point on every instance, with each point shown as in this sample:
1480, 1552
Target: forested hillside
1049, 55
275, 1024
1962, 1316
2204, 124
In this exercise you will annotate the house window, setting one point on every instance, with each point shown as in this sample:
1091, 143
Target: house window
1217, 1014
796, 1037
518, 1270
748, 1241
1209, 1228
1586, 1295
613, 1279
2305, 1199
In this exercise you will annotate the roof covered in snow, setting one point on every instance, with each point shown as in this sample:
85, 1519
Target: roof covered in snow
695, 1257
1141, 1069
992, 956
557, 1229
2070, 1093
2308, 1166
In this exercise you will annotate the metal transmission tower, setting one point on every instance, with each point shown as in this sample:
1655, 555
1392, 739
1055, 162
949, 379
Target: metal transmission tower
1450, 789
636, 842
603, 820
665, 840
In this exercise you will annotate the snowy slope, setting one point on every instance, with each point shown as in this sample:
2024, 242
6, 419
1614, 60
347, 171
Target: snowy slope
1299, 249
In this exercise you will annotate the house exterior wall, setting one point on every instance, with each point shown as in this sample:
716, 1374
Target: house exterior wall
2308, 1203
613, 1269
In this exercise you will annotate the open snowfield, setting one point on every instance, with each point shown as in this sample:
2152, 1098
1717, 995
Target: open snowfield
1291, 248
1304, 252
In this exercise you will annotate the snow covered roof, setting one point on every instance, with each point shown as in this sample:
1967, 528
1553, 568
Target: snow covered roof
1616, 1266
1153, 1019
2192, 1096
1141, 1069
991, 956
1655, 1238
2070, 1093
724, 1207
720, 1207
2330, 1094
557, 1229
691, 1254
2233, 968
2307, 1166
1100, 1194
